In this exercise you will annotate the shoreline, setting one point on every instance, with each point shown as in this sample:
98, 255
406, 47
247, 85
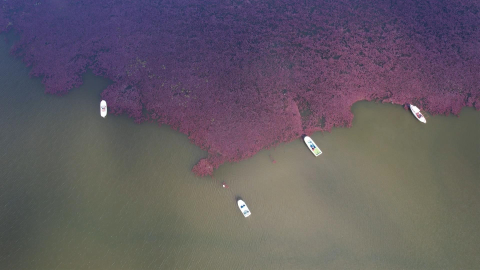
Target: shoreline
241, 77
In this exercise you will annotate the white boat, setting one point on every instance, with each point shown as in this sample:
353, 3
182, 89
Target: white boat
418, 114
243, 208
103, 108
312, 146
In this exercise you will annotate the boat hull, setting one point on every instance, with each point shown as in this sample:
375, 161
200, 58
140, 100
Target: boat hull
416, 112
243, 208
103, 108
312, 146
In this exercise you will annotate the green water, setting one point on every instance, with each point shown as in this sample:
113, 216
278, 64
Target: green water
81, 192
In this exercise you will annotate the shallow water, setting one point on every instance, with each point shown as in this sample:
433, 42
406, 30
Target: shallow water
81, 192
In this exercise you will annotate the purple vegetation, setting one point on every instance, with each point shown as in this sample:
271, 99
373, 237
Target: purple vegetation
241, 76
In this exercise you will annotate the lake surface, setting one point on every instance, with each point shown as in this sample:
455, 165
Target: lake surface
81, 192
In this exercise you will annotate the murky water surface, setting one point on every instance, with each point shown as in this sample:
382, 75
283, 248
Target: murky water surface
81, 192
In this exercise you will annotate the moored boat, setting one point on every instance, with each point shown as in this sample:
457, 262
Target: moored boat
103, 108
243, 208
416, 112
312, 146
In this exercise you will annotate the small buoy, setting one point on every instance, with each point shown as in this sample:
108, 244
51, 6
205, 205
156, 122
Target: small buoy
224, 185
